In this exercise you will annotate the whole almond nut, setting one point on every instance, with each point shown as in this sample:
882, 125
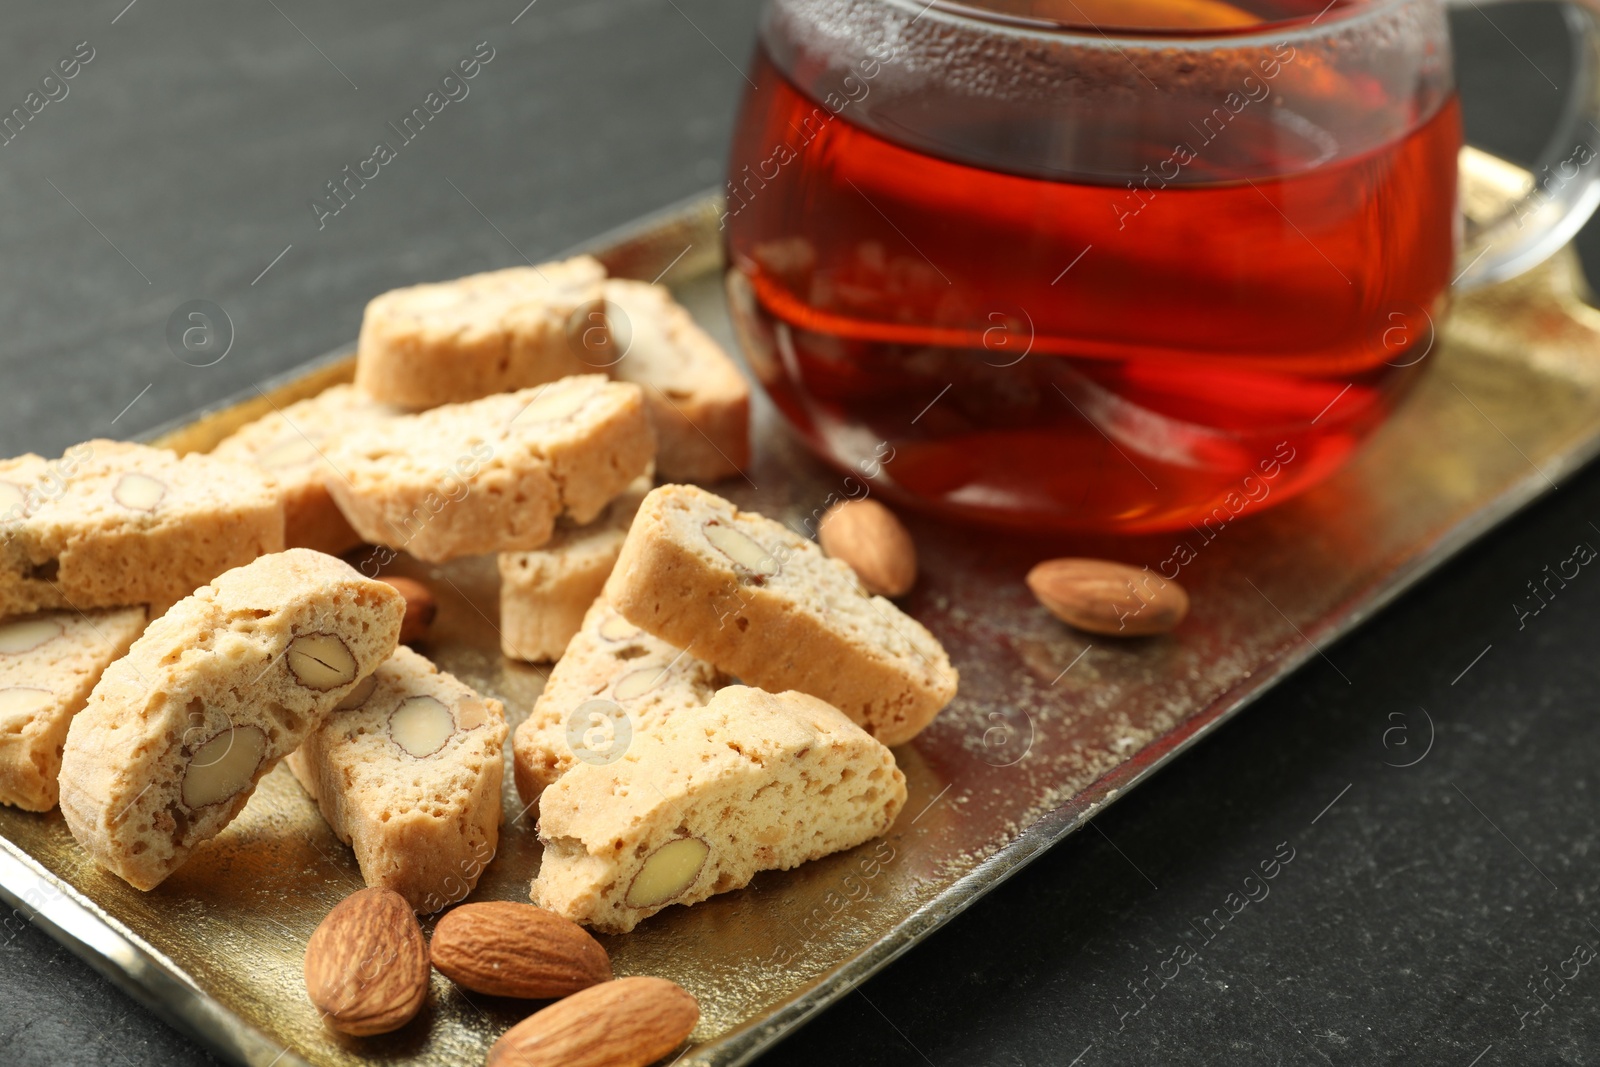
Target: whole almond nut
1109, 598
367, 964
867, 536
421, 608
630, 1022
505, 949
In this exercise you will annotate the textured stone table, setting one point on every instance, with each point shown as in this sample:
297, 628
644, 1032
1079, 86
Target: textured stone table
1419, 901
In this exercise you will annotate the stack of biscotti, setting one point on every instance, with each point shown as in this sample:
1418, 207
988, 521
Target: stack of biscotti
614, 682
760, 602
545, 593
177, 733
752, 781
290, 443
493, 475
352, 465
508, 330
654, 786
407, 772
110, 525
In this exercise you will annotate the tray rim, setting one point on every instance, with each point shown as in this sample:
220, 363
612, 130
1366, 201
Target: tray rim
132, 964
158, 984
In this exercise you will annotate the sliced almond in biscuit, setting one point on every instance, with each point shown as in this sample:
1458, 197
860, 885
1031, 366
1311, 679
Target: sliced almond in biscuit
421, 726
223, 765
25, 635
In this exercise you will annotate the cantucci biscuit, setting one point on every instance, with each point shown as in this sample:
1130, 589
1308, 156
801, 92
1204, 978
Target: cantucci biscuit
487, 333
493, 475
764, 604
407, 772
289, 445
545, 593
753, 781
698, 400
178, 732
48, 664
614, 683
111, 524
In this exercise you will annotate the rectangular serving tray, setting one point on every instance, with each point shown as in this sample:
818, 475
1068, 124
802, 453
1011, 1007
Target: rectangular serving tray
1050, 725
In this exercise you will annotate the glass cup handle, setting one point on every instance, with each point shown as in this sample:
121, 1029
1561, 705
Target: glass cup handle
1550, 205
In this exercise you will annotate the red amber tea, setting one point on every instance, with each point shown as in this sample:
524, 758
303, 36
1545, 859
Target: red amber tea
1081, 287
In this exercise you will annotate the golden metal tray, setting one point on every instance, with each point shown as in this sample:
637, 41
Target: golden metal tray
1049, 728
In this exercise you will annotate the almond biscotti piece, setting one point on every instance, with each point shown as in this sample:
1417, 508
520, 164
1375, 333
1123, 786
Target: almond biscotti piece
289, 444
698, 400
493, 475
753, 781
407, 772
178, 732
486, 333
545, 593
48, 664
614, 683
748, 595
111, 524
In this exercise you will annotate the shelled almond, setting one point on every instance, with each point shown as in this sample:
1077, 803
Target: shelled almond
506, 949
1109, 598
629, 1022
367, 964
876, 545
421, 607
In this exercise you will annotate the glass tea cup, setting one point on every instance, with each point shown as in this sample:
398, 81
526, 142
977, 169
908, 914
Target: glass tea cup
1111, 265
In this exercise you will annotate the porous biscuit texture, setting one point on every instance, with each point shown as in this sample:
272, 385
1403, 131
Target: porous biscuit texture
493, 475
49, 662
614, 683
111, 524
753, 781
765, 605
407, 772
545, 593
289, 444
488, 333
698, 400
177, 733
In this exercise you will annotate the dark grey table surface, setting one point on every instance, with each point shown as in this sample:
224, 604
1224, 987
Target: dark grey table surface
1421, 901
